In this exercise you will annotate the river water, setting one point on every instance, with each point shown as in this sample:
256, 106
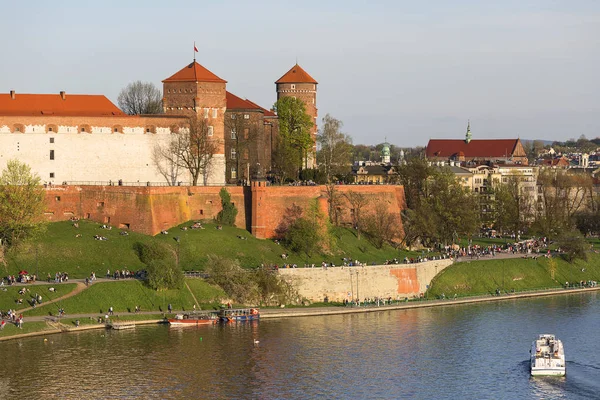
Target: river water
476, 351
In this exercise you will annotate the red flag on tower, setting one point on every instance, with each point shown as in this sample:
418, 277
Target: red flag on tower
195, 48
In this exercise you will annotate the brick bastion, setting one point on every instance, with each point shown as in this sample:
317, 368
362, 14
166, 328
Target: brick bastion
340, 283
149, 210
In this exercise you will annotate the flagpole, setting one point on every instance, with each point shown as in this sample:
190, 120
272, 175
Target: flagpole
194, 49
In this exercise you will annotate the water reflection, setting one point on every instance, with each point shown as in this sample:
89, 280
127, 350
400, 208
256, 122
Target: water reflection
469, 351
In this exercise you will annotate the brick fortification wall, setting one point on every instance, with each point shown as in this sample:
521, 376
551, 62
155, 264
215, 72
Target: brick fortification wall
151, 209
395, 281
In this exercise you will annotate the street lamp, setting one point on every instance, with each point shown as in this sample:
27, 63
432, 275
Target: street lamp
357, 295
351, 287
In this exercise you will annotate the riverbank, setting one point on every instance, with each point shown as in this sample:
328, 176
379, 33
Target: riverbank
305, 312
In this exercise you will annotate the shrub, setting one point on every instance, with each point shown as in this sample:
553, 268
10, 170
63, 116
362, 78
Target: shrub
148, 252
164, 274
228, 212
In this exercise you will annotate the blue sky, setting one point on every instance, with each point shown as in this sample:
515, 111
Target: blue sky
405, 70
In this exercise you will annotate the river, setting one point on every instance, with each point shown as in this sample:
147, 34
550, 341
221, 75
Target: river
474, 351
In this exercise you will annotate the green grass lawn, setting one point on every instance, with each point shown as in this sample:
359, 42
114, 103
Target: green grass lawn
11, 329
485, 276
123, 296
9, 296
59, 250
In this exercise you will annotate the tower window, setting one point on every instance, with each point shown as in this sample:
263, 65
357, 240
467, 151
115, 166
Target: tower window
233, 173
52, 176
52, 154
206, 113
293, 86
233, 135
50, 129
82, 129
210, 130
246, 116
214, 115
233, 154
232, 116
51, 139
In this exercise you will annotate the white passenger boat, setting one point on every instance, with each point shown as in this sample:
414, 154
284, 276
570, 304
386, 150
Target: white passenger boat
547, 356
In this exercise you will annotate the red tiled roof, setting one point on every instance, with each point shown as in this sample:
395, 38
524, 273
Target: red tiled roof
296, 75
268, 113
236, 103
446, 148
194, 72
53, 104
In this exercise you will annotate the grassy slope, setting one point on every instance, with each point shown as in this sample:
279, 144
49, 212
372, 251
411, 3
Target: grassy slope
484, 277
124, 295
60, 250
8, 298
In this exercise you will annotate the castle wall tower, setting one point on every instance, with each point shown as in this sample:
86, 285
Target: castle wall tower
299, 84
194, 90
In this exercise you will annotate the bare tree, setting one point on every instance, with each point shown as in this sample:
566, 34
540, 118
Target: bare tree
167, 164
335, 151
357, 201
192, 149
383, 225
140, 98
334, 203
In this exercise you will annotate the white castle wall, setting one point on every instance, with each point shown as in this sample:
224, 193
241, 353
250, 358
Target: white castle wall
97, 156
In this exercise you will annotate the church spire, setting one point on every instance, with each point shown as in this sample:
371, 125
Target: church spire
468, 136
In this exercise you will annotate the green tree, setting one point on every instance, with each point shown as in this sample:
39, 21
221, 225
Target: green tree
513, 206
233, 279
294, 144
162, 267
22, 204
164, 274
308, 232
228, 212
335, 148
573, 245
442, 208
414, 175
303, 236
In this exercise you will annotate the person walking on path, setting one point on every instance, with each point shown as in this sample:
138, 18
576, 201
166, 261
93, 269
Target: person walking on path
170, 308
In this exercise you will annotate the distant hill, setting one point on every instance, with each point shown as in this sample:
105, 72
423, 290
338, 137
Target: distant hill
545, 142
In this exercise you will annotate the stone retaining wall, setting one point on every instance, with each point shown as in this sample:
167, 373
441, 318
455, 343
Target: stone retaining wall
339, 283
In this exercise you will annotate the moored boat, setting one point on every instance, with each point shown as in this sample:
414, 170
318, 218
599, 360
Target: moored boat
120, 325
193, 319
547, 356
238, 314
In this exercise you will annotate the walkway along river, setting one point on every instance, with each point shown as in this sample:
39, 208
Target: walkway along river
313, 311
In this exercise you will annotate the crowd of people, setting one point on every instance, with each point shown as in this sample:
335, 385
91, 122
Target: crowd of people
12, 317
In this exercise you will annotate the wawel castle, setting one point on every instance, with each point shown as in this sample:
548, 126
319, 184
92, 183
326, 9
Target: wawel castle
86, 139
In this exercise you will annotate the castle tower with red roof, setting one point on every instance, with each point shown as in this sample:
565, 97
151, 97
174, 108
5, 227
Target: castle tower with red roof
299, 84
196, 90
